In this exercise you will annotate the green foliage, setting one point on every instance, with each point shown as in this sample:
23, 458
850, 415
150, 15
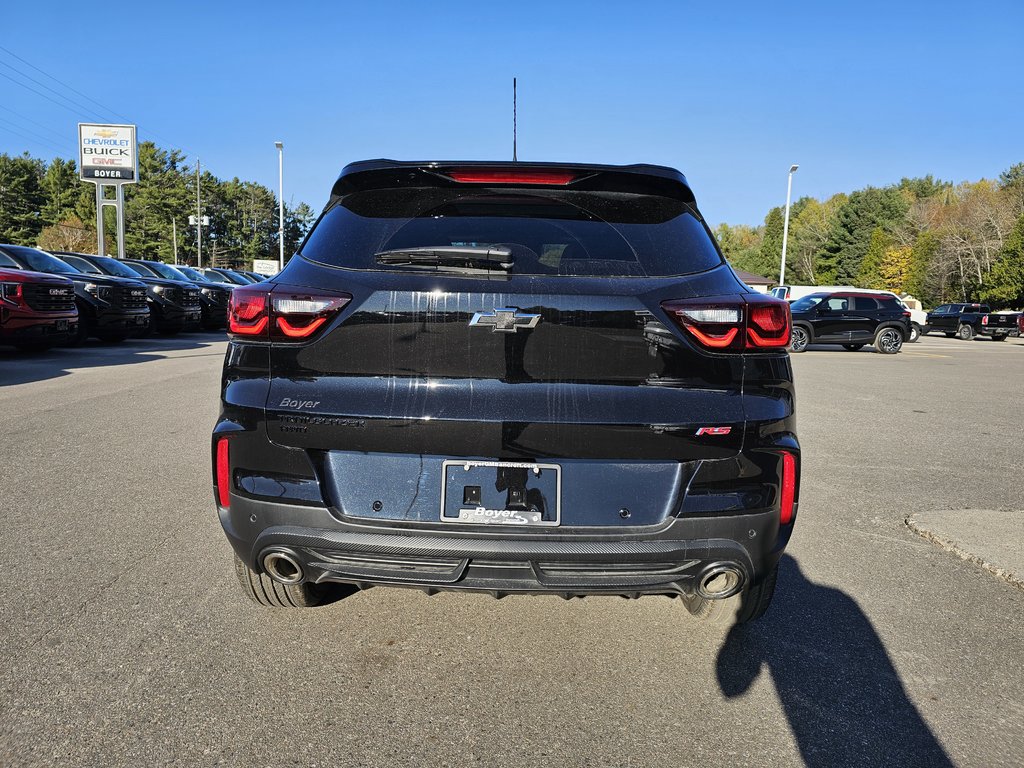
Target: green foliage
869, 274
21, 199
923, 251
46, 202
741, 245
864, 211
1006, 280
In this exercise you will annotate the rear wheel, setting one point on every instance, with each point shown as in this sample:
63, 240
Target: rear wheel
800, 339
889, 341
263, 590
852, 347
915, 333
750, 604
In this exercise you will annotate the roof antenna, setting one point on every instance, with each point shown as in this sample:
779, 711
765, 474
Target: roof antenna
514, 158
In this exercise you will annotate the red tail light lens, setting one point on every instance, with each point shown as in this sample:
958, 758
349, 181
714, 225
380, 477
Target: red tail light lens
733, 323
280, 312
511, 176
248, 313
788, 492
984, 318
223, 473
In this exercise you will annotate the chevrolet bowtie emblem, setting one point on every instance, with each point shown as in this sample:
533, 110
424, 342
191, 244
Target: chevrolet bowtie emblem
505, 319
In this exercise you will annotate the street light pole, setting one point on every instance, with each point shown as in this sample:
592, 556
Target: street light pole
785, 226
199, 219
280, 198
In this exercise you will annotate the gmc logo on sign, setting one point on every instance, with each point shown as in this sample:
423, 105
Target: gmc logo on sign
714, 431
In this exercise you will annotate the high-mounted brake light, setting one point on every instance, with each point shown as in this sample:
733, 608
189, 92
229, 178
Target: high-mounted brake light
223, 473
511, 176
285, 313
733, 323
787, 496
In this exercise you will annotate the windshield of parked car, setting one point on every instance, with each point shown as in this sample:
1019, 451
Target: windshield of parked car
40, 261
194, 275
227, 276
142, 269
166, 270
807, 302
547, 232
81, 265
115, 267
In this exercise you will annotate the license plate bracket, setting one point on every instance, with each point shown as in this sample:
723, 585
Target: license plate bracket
511, 493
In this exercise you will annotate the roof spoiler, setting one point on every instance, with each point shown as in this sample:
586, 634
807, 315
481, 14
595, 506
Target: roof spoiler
637, 179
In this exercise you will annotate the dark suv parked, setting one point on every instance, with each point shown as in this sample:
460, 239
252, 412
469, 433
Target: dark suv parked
173, 306
37, 311
851, 319
213, 296
109, 308
529, 378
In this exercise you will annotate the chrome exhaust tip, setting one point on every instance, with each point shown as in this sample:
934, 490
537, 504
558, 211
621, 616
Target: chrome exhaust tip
282, 568
720, 581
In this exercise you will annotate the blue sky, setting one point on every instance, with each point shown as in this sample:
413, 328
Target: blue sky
730, 93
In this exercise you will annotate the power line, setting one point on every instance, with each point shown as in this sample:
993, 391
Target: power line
53, 133
51, 90
33, 139
61, 82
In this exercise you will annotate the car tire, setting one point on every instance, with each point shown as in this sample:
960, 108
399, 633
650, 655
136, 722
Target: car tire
915, 333
965, 332
852, 347
889, 341
800, 339
925, 330
263, 590
749, 605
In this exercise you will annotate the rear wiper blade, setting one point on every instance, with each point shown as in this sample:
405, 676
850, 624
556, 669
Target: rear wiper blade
470, 257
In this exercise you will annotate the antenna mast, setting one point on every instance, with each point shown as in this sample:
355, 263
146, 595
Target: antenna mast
514, 158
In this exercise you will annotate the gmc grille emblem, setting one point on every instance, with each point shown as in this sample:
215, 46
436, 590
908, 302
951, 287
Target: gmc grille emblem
505, 320
58, 292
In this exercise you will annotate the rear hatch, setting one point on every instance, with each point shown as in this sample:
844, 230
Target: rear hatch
1000, 321
484, 336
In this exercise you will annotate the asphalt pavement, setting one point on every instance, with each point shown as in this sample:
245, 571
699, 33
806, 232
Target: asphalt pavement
126, 641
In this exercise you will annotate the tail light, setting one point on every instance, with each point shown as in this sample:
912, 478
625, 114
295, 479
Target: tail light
280, 312
787, 496
223, 473
984, 319
733, 323
511, 176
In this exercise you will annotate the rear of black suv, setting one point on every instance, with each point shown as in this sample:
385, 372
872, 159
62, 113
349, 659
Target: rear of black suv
511, 379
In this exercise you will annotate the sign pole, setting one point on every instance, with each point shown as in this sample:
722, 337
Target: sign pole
101, 245
120, 220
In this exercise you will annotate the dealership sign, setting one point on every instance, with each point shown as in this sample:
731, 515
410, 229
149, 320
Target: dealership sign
265, 266
107, 154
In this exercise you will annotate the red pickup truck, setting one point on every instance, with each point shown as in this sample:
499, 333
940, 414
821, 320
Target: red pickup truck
37, 311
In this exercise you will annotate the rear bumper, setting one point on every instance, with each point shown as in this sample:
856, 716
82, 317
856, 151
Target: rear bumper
665, 559
997, 331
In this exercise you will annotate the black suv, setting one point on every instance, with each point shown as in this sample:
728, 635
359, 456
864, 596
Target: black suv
174, 305
109, 308
851, 319
512, 379
213, 297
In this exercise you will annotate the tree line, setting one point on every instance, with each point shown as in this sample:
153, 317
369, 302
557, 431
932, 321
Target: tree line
938, 241
45, 204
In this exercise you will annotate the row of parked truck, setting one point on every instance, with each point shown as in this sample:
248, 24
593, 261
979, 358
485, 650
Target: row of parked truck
63, 298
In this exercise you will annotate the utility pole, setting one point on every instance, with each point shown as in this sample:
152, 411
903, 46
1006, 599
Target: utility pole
785, 226
280, 198
199, 220
174, 236
514, 158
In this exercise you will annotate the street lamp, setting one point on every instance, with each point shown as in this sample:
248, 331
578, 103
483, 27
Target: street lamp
280, 197
785, 226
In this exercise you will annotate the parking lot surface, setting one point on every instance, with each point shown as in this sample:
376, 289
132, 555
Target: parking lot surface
126, 641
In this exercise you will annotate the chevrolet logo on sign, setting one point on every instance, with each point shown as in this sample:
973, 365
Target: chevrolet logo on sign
505, 320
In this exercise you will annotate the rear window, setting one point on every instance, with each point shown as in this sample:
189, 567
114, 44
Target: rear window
549, 232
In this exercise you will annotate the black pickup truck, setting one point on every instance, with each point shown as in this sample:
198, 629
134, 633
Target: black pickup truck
969, 320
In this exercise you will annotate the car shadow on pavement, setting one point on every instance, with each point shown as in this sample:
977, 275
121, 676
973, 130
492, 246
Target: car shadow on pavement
841, 694
24, 367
